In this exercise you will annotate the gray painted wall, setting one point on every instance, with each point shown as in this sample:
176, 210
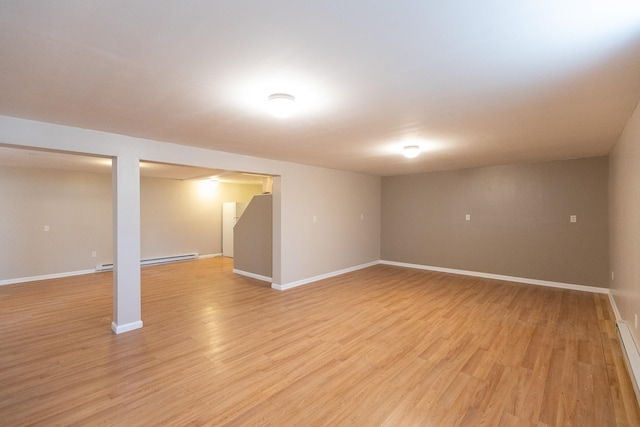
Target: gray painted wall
519, 220
252, 237
625, 222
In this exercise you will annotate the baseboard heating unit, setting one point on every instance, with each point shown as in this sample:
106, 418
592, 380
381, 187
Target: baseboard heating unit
152, 261
631, 355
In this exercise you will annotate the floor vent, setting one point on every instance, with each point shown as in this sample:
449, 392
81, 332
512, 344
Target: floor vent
152, 261
631, 355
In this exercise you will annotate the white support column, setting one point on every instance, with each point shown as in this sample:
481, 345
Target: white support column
126, 244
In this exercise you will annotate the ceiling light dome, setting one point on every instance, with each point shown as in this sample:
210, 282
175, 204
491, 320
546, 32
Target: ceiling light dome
411, 151
282, 104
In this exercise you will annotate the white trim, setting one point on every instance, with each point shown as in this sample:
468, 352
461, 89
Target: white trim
119, 329
209, 256
615, 307
45, 277
322, 276
631, 355
571, 286
252, 275
629, 348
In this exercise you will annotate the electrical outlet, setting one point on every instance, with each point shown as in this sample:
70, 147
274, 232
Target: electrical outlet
46, 228
635, 321
467, 217
613, 276
573, 218
93, 254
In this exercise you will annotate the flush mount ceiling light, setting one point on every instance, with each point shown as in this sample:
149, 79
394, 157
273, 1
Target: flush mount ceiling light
282, 104
411, 151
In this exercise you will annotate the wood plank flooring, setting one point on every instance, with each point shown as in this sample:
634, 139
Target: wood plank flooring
382, 346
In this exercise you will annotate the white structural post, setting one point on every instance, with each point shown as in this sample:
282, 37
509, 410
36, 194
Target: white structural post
126, 244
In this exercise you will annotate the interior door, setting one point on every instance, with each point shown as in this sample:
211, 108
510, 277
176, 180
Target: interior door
228, 221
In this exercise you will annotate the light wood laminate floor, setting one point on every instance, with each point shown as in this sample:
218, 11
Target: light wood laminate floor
380, 346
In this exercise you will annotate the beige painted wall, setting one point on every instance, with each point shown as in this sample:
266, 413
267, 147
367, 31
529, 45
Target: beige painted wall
180, 217
77, 208
625, 222
519, 220
176, 217
302, 249
346, 232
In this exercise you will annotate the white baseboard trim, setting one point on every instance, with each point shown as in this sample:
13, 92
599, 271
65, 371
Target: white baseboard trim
615, 307
631, 355
322, 276
570, 286
119, 329
252, 275
629, 348
209, 256
45, 277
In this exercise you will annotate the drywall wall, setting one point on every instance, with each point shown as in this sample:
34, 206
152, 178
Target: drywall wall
625, 222
76, 208
302, 249
176, 217
253, 237
330, 221
519, 220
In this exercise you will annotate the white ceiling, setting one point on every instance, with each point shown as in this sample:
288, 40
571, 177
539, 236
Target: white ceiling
473, 82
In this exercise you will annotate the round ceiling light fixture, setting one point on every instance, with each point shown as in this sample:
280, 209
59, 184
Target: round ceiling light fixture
411, 151
282, 104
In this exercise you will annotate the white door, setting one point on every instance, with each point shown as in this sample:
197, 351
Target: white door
228, 221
